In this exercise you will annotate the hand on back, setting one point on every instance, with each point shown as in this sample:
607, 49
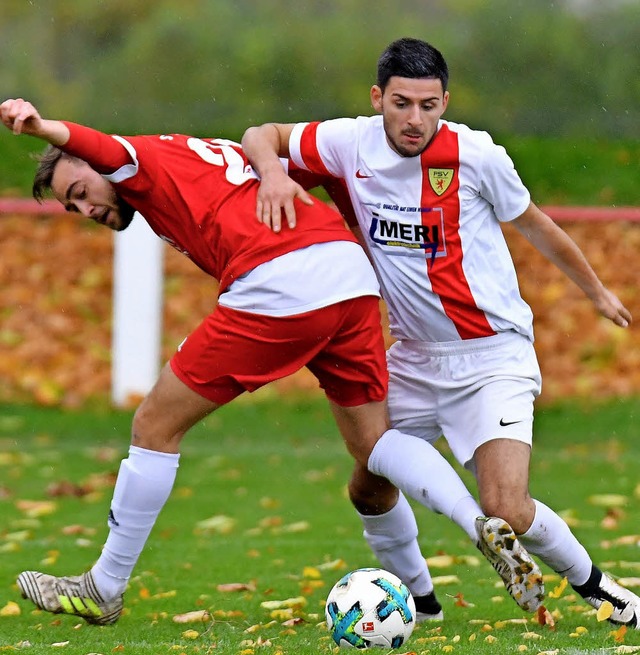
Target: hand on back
276, 194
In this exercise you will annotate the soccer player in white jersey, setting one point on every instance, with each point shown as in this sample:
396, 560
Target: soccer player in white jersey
430, 196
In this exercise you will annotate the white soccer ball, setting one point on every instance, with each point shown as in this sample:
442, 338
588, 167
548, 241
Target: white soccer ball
368, 608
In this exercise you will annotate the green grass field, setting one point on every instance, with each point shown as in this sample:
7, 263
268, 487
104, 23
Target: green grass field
260, 501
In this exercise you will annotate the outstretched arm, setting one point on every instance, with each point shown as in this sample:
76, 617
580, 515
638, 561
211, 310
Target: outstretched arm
560, 249
21, 117
263, 146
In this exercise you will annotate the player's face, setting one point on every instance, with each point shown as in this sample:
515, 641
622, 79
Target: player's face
411, 109
83, 190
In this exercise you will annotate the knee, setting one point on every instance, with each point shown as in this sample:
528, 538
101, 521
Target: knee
516, 510
141, 428
148, 431
370, 494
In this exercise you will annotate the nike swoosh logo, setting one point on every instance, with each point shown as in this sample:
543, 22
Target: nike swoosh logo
361, 175
503, 422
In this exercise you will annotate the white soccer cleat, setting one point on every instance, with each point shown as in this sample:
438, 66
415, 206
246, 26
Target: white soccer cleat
519, 572
76, 595
626, 605
428, 608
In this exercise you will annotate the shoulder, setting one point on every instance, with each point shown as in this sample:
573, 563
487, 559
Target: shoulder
477, 147
350, 126
467, 133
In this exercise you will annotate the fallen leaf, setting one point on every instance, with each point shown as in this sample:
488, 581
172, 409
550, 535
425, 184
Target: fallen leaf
78, 530
298, 601
441, 580
311, 572
333, 565
604, 611
228, 614
440, 561
219, 524
296, 620
236, 586
460, 601
444, 561
196, 616
544, 617
618, 635
10, 609
557, 591
63, 488
503, 623
626, 540
284, 614
22, 535
608, 500
270, 522
164, 594
36, 508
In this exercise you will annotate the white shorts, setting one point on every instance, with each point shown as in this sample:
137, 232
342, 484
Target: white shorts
470, 391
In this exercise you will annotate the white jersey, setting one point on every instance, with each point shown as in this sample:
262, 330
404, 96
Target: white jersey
431, 222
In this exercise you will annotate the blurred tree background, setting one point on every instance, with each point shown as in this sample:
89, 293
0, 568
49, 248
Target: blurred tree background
534, 67
563, 70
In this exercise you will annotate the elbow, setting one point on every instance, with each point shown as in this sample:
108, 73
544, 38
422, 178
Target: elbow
273, 136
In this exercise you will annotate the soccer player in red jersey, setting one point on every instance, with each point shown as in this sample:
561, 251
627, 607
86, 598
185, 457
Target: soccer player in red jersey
304, 297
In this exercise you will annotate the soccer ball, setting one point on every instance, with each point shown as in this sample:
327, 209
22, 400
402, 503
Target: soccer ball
370, 607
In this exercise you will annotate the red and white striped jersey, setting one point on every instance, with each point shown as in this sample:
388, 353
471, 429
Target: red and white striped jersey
432, 224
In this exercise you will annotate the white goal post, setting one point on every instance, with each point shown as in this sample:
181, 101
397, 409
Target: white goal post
137, 311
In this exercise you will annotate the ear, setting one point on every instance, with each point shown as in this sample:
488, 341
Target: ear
445, 101
376, 98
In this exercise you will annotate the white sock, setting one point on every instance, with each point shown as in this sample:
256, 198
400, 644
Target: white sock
392, 537
550, 538
420, 471
144, 482
465, 514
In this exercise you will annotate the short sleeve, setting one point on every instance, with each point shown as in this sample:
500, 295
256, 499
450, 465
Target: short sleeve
501, 185
324, 147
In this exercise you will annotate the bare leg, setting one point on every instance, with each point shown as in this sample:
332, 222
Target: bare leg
502, 471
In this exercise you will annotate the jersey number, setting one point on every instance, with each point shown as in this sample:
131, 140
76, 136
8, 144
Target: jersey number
220, 152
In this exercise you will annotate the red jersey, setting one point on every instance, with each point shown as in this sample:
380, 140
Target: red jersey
199, 195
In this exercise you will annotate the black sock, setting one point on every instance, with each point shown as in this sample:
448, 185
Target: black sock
591, 586
428, 604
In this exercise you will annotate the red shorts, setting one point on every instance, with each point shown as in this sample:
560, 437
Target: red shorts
342, 345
